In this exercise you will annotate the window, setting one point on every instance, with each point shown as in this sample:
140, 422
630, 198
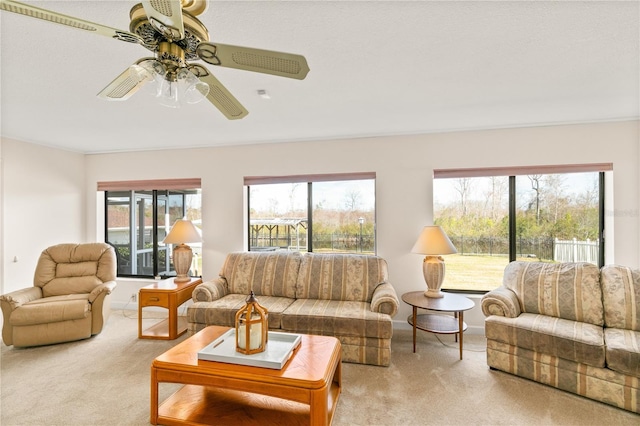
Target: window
137, 221
495, 216
319, 213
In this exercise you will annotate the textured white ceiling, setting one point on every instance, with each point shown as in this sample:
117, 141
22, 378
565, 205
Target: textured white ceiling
377, 68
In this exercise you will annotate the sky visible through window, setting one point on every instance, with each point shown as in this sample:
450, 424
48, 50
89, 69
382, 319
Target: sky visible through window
573, 184
330, 195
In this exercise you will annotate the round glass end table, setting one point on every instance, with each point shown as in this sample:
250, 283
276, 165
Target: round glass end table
436, 322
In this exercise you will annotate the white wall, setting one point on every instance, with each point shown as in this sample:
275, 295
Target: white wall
44, 203
49, 196
404, 167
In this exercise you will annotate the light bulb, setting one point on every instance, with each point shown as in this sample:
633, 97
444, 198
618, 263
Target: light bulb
156, 71
191, 89
169, 94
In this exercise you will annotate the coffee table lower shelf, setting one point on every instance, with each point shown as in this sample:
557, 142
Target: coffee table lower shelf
204, 405
439, 324
304, 391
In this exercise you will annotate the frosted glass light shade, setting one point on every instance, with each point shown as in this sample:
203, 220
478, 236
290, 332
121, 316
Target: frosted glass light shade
172, 90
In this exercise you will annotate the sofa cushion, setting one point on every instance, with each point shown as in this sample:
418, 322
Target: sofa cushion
223, 311
267, 274
346, 277
563, 290
336, 318
623, 351
621, 297
52, 309
576, 341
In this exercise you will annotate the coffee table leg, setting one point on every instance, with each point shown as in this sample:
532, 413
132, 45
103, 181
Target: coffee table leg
319, 409
455, 314
415, 320
460, 322
154, 397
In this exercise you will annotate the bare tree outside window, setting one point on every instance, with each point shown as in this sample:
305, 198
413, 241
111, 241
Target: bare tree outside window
535, 186
556, 217
464, 187
352, 199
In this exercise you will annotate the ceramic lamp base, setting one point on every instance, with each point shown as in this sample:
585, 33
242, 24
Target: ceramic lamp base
433, 270
435, 294
182, 256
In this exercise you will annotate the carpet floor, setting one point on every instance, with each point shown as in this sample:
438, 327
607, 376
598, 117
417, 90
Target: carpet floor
105, 381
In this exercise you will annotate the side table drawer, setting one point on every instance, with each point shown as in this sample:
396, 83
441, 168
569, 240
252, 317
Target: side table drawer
154, 299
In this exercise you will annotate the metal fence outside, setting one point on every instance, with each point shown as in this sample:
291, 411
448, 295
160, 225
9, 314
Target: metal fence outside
364, 243
535, 248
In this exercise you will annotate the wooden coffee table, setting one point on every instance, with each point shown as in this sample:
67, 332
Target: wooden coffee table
304, 391
436, 323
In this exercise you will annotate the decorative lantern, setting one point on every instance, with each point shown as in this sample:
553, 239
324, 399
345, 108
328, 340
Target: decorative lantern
251, 327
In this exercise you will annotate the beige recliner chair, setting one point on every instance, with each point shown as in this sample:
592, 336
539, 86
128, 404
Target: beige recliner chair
69, 299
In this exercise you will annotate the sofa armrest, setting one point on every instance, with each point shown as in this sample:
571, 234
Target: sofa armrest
385, 300
22, 296
104, 288
209, 291
502, 302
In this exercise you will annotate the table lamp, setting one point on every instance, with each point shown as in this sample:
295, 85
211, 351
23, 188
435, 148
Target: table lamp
433, 242
182, 232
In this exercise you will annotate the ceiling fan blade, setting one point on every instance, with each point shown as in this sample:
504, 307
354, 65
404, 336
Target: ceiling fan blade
166, 17
218, 95
70, 21
127, 83
257, 60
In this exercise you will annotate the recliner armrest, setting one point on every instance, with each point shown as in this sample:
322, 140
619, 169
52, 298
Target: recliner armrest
385, 299
22, 296
106, 287
209, 291
502, 302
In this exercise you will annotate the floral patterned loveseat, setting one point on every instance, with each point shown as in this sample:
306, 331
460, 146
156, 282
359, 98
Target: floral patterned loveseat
343, 295
568, 325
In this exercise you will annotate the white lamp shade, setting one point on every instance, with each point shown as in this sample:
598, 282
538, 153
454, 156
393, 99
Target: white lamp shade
182, 232
433, 241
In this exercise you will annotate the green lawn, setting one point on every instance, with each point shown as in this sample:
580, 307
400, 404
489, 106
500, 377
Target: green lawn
475, 272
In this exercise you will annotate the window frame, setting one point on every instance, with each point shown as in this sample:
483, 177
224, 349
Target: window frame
170, 187
250, 181
511, 173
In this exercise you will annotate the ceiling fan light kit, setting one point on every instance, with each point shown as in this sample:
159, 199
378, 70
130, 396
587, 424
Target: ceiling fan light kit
170, 29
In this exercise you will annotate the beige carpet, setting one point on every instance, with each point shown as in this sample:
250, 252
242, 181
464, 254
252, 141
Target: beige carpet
105, 381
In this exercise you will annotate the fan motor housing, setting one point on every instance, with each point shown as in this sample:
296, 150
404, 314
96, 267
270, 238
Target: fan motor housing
194, 32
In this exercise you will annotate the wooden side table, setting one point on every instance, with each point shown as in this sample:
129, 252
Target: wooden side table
169, 295
436, 323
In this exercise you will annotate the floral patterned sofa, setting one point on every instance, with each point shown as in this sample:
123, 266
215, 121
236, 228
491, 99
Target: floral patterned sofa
569, 325
343, 295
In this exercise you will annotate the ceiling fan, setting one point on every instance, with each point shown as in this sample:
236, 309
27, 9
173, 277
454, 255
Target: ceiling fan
170, 29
